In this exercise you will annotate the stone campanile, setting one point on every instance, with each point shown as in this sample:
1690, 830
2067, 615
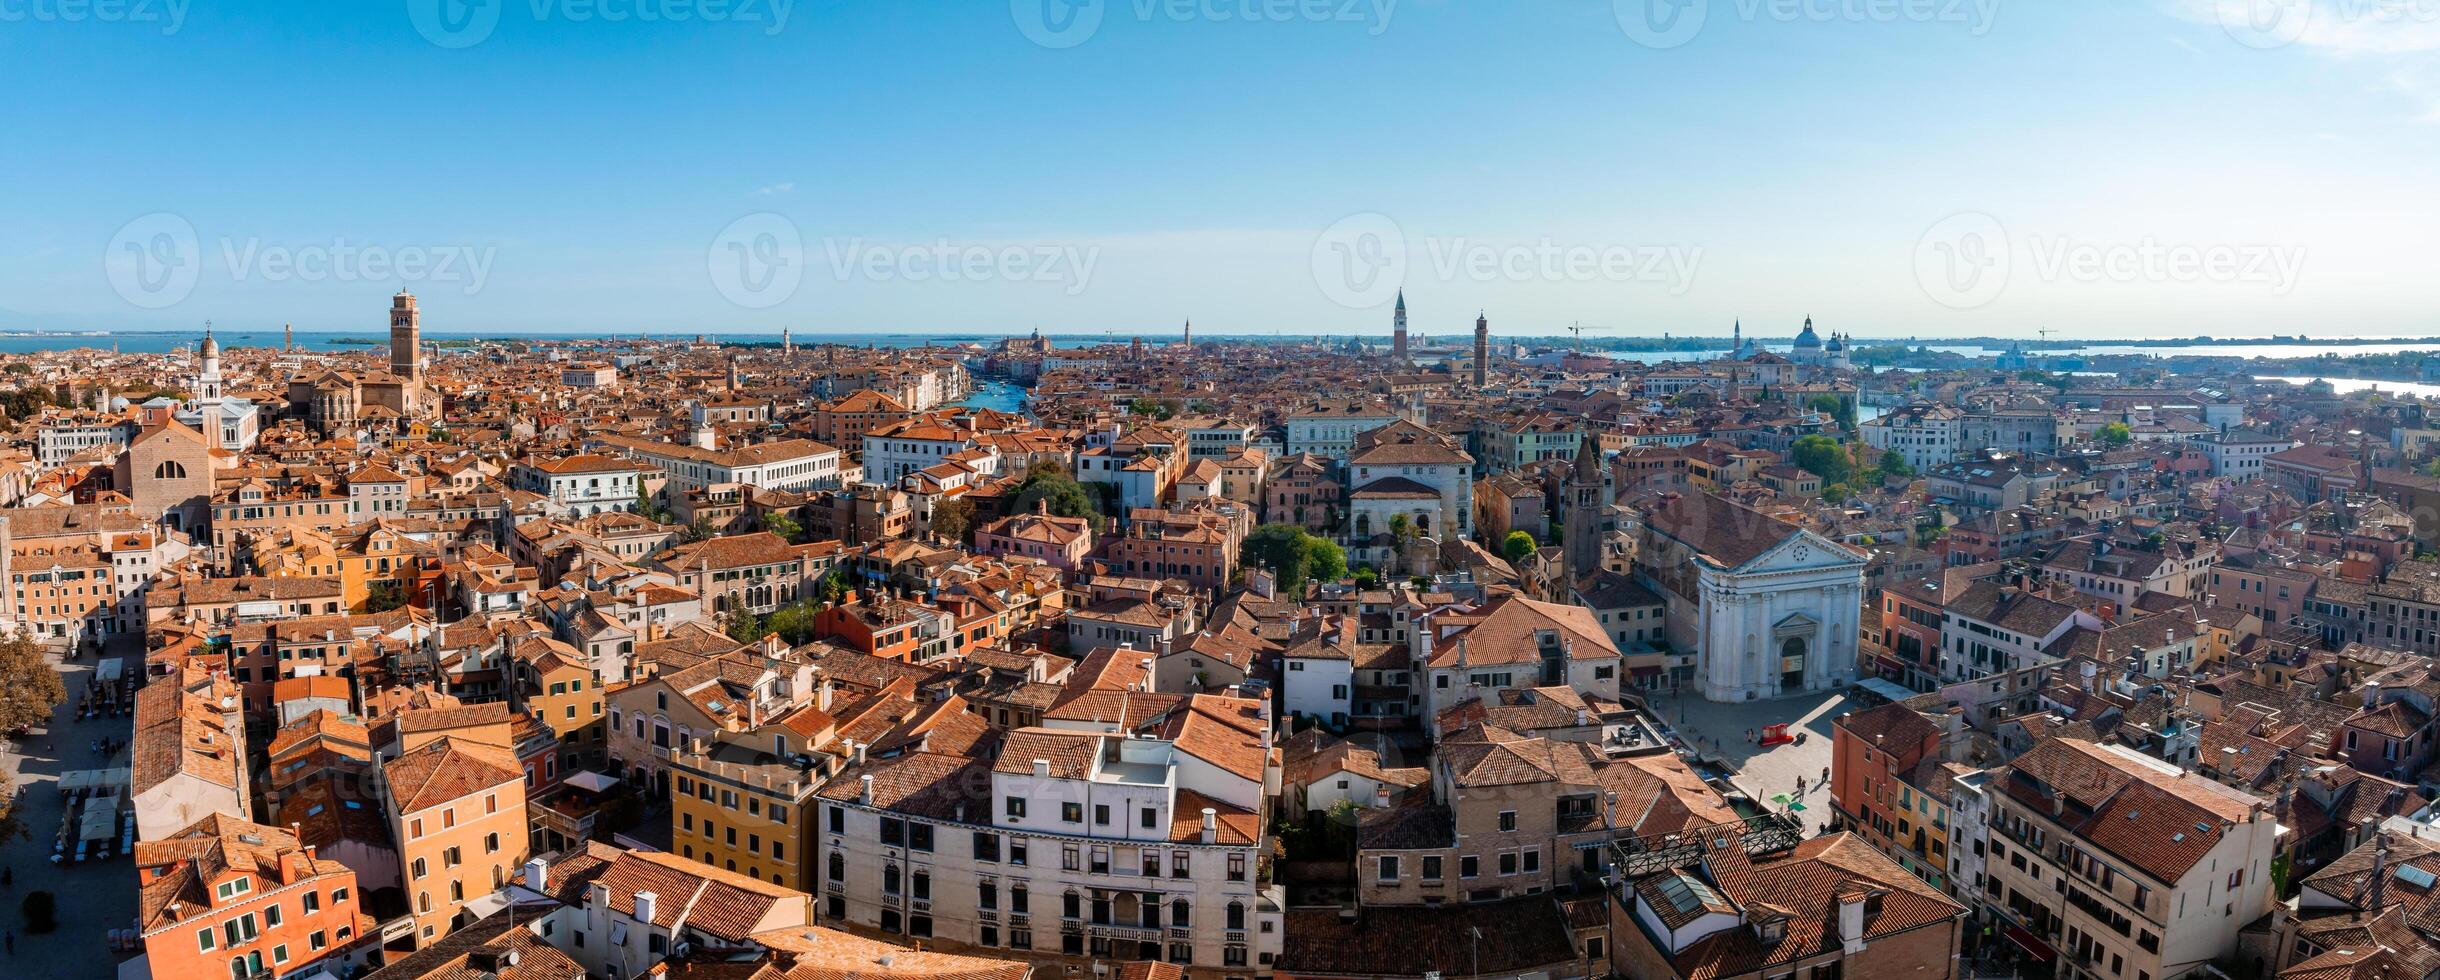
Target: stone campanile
406, 337
1482, 351
1397, 341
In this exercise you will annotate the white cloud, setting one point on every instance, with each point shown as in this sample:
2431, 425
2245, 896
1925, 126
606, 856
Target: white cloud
773, 190
2388, 37
2345, 28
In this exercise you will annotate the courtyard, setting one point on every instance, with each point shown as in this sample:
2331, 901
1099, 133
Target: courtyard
1718, 733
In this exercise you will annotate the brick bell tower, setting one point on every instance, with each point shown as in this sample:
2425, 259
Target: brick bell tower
406, 337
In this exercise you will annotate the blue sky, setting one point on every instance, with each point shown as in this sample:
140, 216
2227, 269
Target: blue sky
2122, 167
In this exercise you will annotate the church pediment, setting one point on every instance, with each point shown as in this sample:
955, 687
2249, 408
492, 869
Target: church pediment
1801, 551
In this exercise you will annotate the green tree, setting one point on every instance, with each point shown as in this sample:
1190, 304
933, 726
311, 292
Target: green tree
1151, 408
1401, 534
41, 912
794, 622
779, 523
2116, 434
700, 530
12, 823
1325, 561
29, 686
1294, 556
830, 588
1893, 463
1517, 545
384, 596
1058, 492
951, 518
1832, 405
745, 627
1821, 456
1836, 493
1366, 578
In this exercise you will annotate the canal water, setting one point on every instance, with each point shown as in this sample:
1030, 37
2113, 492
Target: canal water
999, 395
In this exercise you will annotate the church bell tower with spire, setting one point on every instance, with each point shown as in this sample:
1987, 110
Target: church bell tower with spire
1587, 504
1397, 343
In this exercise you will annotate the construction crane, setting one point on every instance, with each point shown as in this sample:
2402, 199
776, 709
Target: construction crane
1579, 327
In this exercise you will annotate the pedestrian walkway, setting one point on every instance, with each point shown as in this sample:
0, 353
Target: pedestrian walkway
1719, 733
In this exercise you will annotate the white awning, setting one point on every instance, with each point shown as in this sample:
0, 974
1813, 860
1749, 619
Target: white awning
592, 782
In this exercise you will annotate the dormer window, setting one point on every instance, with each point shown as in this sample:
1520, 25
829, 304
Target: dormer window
233, 888
1771, 930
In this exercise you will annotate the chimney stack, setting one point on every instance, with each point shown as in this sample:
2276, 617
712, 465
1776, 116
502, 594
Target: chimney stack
644, 906
865, 794
537, 874
1042, 768
1851, 922
1211, 825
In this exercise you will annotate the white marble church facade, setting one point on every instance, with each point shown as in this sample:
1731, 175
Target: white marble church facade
1769, 609
1782, 624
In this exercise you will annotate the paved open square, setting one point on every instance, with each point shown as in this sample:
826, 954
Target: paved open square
1719, 734
94, 896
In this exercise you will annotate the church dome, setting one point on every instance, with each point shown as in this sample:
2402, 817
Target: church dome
1836, 343
1808, 340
